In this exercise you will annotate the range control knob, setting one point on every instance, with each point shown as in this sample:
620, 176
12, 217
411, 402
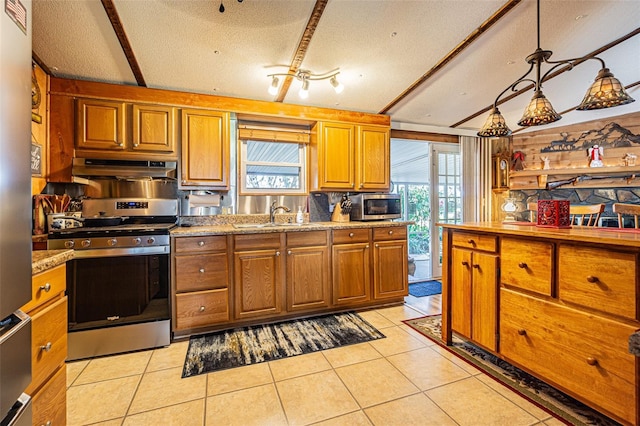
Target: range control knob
86, 243
136, 241
112, 242
151, 240
69, 244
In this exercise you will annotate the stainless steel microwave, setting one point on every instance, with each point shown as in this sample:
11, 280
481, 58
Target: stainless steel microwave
375, 207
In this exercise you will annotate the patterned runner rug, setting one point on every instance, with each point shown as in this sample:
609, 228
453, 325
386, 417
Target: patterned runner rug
250, 345
556, 403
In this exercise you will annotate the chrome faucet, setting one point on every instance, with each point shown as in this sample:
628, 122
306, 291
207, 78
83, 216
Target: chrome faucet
274, 209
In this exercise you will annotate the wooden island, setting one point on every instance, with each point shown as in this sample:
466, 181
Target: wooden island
560, 304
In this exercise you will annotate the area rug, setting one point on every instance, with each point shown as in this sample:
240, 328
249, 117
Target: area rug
556, 403
250, 345
425, 288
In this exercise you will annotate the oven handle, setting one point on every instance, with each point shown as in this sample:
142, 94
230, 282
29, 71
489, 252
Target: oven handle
119, 252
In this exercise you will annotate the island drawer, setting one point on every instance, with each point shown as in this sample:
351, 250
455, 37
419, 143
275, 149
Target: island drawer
558, 344
200, 244
394, 233
45, 286
201, 272
346, 236
475, 241
527, 264
596, 278
201, 308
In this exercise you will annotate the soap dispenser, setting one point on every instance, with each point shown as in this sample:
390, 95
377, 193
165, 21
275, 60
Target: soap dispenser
299, 215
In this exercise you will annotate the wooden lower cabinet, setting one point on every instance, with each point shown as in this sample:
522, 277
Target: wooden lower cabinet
351, 273
390, 263
50, 403
307, 281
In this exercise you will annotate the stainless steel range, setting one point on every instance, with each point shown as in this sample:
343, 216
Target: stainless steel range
118, 282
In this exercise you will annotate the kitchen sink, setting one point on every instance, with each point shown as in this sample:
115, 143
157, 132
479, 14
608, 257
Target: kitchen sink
269, 225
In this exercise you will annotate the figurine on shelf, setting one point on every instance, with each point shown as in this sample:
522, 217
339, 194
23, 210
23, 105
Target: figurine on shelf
517, 161
596, 153
629, 159
545, 161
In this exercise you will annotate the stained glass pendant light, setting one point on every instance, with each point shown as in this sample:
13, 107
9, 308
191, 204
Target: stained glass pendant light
605, 92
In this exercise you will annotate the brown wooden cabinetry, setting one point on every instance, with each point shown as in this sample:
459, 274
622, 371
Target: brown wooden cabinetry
258, 275
351, 266
390, 263
350, 157
205, 156
200, 281
48, 311
308, 281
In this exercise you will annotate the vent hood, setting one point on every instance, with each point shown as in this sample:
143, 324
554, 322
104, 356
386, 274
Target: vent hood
87, 167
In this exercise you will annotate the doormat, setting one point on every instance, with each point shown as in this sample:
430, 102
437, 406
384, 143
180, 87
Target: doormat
551, 400
425, 288
251, 345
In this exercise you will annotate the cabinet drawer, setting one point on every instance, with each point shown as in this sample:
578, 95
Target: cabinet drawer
50, 403
202, 272
201, 308
303, 239
475, 241
48, 342
200, 244
345, 236
394, 233
257, 241
582, 353
46, 285
527, 264
599, 279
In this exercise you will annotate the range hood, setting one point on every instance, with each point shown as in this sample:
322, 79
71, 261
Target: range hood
87, 167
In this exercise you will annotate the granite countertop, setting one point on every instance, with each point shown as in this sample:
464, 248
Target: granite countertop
41, 260
223, 229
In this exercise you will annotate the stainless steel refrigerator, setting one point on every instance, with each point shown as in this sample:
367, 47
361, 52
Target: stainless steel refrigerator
15, 210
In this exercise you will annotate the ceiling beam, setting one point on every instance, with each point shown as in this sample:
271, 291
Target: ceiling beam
303, 45
423, 136
552, 75
116, 23
493, 19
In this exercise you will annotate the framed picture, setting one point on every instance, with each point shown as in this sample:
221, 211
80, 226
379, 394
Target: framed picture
36, 159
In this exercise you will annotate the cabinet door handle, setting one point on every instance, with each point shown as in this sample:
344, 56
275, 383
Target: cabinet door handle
201, 308
367, 246
46, 347
522, 332
119, 143
289, 252
592, 279
522, 265
361, 185
592, 360
475, 266
465, 263
353, 184
136, 144
377, 245
46, 288
200, 243
277, 253
201, 270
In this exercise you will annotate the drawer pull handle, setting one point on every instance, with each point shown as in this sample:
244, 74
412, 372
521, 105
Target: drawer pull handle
46, 347
201, 270
465, 263
351, 234
475, 266
390, 232
592, 279
201, 308
522, 265
200, 243
592, 361
46, 288
48, 423
470, 241
522, 332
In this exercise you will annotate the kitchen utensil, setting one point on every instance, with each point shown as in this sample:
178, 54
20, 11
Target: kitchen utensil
98, 221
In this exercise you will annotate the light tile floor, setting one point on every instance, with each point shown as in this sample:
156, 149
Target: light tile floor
402, 380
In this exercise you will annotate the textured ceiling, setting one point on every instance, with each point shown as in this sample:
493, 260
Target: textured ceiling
382, 48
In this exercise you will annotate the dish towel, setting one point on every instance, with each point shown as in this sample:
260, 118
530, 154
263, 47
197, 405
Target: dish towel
634, 343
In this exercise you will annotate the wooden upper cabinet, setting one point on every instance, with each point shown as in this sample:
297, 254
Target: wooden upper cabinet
348, 157
205, 155
373, 160
153, 128
100, 125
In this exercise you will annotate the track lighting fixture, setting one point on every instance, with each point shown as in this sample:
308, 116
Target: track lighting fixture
305, 76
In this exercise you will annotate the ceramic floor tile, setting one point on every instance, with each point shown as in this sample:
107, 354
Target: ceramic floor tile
315, 397
375, 382
115, 422
113, 367
397, 314
553, 422
474, 371
421, 337
357, 418
396, 341
472, 408
101, 401
300, 365
239, 378
74, 368
352, 354
166, 387
168, 357
255, 406
376, 320
186, 414
427, 369
412, 410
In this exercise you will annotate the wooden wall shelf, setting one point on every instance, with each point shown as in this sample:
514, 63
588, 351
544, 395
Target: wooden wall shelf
603, 177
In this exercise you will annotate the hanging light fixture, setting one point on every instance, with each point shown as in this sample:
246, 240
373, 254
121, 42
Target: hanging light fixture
305, 76
605, 92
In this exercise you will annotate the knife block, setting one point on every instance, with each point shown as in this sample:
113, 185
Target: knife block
338, 216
